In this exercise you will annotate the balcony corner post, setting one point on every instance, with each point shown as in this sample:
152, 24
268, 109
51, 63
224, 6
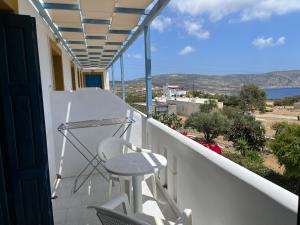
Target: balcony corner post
148, 77
113, 79
122, 77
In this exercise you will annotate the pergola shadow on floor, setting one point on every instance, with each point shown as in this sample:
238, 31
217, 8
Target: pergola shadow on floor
71, 209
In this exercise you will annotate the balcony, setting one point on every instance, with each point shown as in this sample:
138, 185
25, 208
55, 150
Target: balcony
217, 190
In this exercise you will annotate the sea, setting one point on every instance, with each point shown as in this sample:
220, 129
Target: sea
280, 93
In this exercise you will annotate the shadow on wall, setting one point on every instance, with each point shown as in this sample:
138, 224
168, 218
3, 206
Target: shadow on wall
88, 104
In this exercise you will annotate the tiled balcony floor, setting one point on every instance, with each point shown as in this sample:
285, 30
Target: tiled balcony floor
71, 209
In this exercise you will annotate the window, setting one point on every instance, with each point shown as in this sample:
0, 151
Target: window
73, 77
58, 77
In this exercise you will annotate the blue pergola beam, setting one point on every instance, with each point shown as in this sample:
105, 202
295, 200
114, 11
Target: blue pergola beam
94, 47
95, 37
94, 53
120, 31
110, 50
60, 6
96, 21
148, 77
113, 43
78, 50
75, 42
129, 10
70, 29
147, 21
122, 78
43, 14
81, 55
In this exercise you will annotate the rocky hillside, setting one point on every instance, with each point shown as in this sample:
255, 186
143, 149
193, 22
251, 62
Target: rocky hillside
223, 84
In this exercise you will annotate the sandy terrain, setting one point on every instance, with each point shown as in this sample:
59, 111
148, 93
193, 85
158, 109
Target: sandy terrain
278, 115
268, 119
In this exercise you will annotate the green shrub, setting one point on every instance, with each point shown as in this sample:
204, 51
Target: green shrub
171, 120
278, 127
242, 146
287, 101
140, 108
209, 106
247, 128
286, 146
211, 124
252, 98
232, 112
288, 183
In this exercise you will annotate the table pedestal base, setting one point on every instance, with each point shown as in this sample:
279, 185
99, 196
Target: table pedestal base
137, 194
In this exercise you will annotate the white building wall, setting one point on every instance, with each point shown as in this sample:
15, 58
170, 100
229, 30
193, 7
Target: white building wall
89, 104
43, 35
106, 80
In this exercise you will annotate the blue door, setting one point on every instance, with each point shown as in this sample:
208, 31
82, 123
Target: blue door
93, 80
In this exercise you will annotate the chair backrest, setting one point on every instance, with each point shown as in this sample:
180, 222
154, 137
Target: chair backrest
111, 217
185, 218
111, 147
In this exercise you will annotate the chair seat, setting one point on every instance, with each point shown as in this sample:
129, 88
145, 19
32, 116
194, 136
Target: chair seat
153, 220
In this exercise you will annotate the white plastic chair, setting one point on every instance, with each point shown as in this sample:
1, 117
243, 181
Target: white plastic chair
112, 147
108, 216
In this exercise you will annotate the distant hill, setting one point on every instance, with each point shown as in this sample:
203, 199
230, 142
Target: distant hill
222, 84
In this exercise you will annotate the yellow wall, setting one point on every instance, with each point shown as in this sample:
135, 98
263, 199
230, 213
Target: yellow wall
58, 76
73, 77
9, 5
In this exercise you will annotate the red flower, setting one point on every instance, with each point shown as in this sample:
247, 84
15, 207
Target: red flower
185, 133
214, 147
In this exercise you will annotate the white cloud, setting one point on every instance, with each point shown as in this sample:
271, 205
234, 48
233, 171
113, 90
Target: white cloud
153, 48
262, 42
196, 29
134, 56
246, 9
186, 50
160, 23
281, 41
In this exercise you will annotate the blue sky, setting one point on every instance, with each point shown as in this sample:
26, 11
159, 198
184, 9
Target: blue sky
220, 37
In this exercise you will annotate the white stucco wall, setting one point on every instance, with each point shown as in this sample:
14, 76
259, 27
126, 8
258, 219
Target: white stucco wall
89, 104
219, 191
106, 80
66, 63
43, 35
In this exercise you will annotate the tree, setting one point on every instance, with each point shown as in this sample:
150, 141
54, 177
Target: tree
171, 120
286, 146
209, 106
211, 124
242, 146
247, 128
232, 112
252, 98
278, 127
230, 100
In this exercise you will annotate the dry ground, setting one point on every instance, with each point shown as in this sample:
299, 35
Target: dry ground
268, 119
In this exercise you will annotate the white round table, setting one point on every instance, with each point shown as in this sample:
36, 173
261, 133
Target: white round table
136, 165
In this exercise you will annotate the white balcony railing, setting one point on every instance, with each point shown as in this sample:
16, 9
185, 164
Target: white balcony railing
215, 188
